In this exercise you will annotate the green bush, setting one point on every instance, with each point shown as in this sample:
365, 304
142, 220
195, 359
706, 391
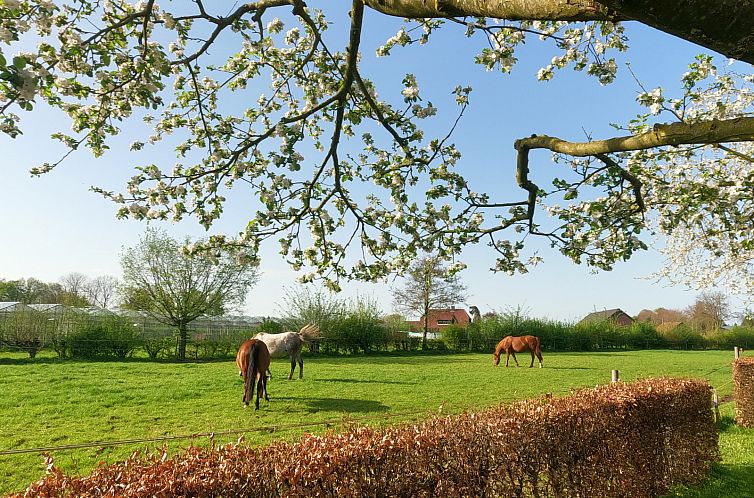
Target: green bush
456, 337
346, 326
25, 330
103, 337
157, 347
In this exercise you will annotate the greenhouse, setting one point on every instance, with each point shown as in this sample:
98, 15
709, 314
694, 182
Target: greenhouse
93, 331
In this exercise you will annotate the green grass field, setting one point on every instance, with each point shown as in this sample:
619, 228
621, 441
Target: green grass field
48, 402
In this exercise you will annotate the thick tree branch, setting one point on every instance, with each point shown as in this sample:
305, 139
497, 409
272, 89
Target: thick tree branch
711, 132
515, 10
704, 132
724, 26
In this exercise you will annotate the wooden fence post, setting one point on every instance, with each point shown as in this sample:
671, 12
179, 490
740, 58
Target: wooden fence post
736, 352
616, 376
716, 405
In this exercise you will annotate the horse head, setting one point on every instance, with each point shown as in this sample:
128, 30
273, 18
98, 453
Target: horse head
495, 359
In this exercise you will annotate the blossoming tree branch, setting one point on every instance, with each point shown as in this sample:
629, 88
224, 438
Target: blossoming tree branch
260, 98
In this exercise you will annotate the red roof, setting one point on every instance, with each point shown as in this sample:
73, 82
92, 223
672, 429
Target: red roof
439, 318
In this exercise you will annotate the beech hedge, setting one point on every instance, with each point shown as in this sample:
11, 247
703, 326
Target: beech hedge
619, 440
743, 380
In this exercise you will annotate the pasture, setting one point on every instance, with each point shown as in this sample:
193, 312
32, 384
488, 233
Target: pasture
49, 402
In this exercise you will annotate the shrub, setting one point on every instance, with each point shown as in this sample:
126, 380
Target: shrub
612, 441
456, 337
156, 347
25, 331
683, 337
351, 326
103, 337
743, 380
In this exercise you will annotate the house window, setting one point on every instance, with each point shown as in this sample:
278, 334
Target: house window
443, 322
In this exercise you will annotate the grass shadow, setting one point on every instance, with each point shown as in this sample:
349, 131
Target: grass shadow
343, 405
51, 360
731, 481
569, 368
365, 381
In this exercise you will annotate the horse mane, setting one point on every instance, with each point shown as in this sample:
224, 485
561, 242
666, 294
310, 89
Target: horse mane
309, 332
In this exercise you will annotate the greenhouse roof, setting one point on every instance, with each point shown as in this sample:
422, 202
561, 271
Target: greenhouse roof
47, 307
8, 306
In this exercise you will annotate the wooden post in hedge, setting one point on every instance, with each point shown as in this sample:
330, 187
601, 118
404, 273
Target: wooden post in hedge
616, 376
736, 352
716, 405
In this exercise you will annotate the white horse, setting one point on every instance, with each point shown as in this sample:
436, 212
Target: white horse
289, 344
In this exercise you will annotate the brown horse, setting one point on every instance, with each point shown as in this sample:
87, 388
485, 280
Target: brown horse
253, 360
513, 344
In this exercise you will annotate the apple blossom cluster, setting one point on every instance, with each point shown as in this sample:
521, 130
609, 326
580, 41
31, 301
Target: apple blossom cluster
699, 199
583, 45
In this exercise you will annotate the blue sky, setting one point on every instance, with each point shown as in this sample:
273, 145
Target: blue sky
53, 225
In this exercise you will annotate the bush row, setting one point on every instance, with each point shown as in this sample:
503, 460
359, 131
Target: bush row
561, 336
350, 331
619, 440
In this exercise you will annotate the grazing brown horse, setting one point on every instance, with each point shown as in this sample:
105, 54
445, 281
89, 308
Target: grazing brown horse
514, 344
253, 360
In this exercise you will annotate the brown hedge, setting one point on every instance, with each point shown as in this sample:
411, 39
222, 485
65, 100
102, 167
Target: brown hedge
743, 380
620, 440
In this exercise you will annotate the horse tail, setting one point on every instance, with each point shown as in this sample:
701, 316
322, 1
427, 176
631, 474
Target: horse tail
251, 371
309, 332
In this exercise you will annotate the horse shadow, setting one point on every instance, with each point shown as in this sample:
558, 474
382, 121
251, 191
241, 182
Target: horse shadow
360, 381
343, 405
567, 368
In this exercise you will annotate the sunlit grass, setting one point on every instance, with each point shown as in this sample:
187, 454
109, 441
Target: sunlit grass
48, 402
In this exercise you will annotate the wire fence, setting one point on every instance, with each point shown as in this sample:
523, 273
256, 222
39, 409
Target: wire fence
209, 434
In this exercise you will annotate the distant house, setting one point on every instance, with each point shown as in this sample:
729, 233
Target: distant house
439, 318
617, 316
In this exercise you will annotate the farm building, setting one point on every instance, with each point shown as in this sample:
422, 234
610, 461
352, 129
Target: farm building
617, 316
439, 318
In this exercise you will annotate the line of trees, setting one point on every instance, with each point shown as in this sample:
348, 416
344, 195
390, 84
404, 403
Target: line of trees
348, 327
73, 289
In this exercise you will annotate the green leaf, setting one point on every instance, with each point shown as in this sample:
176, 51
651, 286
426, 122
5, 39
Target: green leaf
19, 62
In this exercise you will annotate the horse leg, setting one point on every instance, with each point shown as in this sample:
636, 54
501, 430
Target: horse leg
532, 358
507, 357
261, 389
300, 365
293, 367
513, 353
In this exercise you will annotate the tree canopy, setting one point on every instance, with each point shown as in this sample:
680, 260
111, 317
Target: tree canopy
428, 284
175, 289
682, 171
